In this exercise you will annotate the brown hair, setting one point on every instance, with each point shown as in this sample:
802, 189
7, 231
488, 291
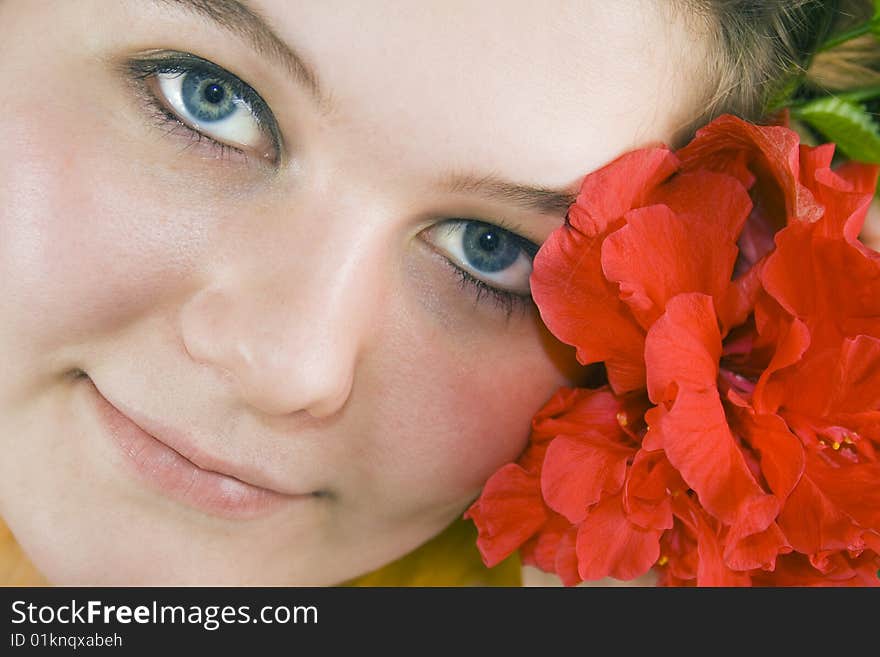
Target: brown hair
762, 51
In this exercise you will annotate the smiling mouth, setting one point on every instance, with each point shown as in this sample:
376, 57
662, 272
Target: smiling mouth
166, 470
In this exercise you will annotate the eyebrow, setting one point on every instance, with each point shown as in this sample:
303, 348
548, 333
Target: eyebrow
239, 18
528, 197
245, 21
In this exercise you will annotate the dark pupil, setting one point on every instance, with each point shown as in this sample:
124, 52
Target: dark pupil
489, 249
489, 241
214, 93
207, 97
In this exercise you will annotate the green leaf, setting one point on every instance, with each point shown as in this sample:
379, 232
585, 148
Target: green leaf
870, 26
783, 95
861, 95
846, 123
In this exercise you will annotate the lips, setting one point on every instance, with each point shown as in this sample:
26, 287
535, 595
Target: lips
168, 462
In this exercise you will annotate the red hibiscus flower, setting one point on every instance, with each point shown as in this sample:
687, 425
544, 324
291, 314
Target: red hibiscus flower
738, 319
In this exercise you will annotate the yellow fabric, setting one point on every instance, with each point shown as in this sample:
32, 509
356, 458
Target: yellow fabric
15, 568
450, 559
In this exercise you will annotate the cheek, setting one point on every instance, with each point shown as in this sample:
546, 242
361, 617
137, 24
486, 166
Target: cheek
459, 405
84, 245
486, 419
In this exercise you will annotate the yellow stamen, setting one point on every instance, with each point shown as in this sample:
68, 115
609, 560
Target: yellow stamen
663, 560
622, 420
835, 445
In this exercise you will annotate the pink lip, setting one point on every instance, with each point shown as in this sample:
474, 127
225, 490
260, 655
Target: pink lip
210, 487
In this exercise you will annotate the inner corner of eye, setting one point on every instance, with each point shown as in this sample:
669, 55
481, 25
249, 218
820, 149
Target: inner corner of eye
438, 228
167, 81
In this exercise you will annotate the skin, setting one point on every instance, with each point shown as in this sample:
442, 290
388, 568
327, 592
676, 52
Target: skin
295, 319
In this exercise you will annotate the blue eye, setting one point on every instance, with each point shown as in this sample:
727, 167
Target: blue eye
493, 256
489, 249
206, 96
210, 101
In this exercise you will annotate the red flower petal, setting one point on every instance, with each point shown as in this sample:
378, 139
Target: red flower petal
582, 308
853, 489
572, 410
623, 184
650, 484
542, 549
792, 341
772, 156
812, 278
861, 178
682, 352
845, 193
813, 523
553, 549
659, 254
608, 545
831, 383
576, 302
507, 513
738, 301
683, 347
577, 470
781, 453
717, 199
532, 459
796, 570
711, 567
640, 280
566, 563
698, 442
679, 546
857, 377
755, 540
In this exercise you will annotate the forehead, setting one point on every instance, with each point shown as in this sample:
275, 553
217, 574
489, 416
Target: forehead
539, 90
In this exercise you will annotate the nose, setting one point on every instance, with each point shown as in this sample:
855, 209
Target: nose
290, 335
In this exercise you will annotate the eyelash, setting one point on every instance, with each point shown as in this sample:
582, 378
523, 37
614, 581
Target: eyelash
140, 70
504, 300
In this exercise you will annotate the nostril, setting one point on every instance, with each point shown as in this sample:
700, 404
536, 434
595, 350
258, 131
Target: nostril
328, 401
325, 395
283, 391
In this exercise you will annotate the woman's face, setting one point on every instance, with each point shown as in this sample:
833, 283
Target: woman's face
289, 270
